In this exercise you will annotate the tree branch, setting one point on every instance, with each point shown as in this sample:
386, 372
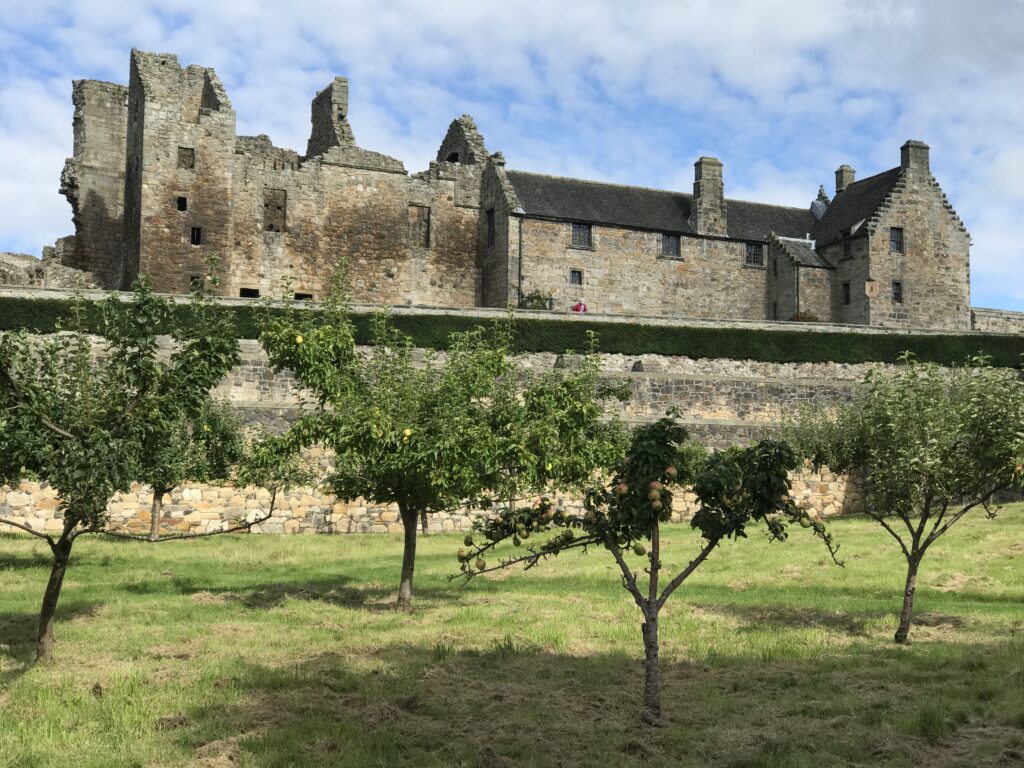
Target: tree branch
881, 521
530, 559
179, 536
45, 421
26, 529
952, 521
683, 574
627, 576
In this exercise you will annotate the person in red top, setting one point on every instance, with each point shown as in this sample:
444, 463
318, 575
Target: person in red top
579, 306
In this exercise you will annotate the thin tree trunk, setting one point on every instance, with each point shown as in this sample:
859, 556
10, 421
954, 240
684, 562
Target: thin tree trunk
652, 670
423, 521
61, 553
908, 598
156, 513
409, 520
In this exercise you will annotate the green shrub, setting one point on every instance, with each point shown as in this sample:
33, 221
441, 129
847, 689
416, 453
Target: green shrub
560, 335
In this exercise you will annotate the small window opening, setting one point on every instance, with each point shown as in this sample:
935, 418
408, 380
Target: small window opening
896, 243
846, 294
303, 296
847, 250
275, 210
490, 226
775, 310
775, 267
575, 277
419, 226
582, 235
182, 203
755, 255
186, 157
670, 246
453, 157
897, 291
197, 236
249, 293
195, 283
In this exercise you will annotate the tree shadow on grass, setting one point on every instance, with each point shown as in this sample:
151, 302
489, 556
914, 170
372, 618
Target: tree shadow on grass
18, 633
516, 705
334, 590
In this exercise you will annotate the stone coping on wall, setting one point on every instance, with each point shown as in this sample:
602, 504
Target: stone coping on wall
487, 313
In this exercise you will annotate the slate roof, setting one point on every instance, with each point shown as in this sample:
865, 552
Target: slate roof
803, 252
653, 209
857, 202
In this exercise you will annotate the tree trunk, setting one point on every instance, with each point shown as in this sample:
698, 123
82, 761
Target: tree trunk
423, 521
44, 644
156, 513
652, 671
409, 520
908, 599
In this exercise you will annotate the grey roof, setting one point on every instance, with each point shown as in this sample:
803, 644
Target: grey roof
857, 202
654, 209
802, 252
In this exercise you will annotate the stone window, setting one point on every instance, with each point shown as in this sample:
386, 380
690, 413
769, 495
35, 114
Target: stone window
896, 243
582, 235
197, 236
490, 226
897, 292
453, 157
182, 203
755, 255
575, 277
775, 267
303, 296
846, 294
419, 226
195, 283
275, 210
186, 157
249, 293
775, 310
670, 246
847, 250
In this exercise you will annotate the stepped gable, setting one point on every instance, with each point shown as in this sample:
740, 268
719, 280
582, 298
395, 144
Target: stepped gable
563, 198
802, 252
857, 202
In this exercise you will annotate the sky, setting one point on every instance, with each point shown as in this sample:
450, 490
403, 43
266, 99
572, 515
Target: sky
627, 92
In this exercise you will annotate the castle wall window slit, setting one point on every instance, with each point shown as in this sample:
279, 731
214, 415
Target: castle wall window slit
196, 237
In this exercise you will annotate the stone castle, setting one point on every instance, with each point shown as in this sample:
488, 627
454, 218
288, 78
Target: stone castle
159, 181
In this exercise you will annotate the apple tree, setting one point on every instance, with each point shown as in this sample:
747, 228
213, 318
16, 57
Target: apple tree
471, 430
930, 444
735, 488
77, 409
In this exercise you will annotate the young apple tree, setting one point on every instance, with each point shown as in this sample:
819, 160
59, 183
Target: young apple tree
930, 444
428, 436
76, 411
734, 488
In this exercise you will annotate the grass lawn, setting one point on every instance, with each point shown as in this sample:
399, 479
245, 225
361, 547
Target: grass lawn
286, 651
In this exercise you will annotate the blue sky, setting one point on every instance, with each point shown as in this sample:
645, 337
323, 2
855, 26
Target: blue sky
781, 92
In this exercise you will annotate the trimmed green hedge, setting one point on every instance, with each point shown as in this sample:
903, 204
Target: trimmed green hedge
544, 335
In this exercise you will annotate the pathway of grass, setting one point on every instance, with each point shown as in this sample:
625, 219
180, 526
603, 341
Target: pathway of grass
285, 651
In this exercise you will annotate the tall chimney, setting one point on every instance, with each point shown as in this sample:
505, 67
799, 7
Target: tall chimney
709, 214
914, 156
844, 177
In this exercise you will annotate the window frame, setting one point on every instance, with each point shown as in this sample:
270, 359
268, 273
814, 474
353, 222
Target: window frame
847, 296
896, 292
747, 262
674, 253
576, 271
897, 240
195, 237
581, 226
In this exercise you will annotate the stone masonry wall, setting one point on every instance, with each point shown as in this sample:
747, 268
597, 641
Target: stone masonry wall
996, 320
624, 273
723, 402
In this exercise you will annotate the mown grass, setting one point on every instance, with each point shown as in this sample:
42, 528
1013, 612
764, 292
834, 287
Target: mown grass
286, 651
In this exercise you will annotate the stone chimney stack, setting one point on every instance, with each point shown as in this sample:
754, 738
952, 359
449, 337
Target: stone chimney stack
330, 119
709, 214
914, 156
844, 177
